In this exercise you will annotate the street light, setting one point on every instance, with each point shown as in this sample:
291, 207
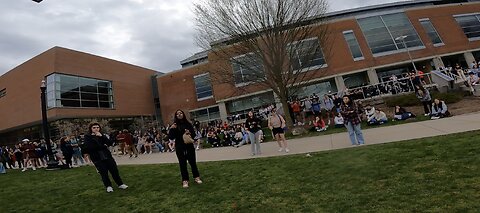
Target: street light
52, 163
402, 38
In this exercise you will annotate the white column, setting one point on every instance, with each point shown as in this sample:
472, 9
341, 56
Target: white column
372, 76
223, 111
437, 62
469, 58
340, 83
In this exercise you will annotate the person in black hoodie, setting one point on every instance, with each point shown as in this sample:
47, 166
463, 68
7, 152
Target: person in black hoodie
253, 126
96, 146
183, 133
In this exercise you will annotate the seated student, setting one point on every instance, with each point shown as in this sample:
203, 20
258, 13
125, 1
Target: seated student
439, 109
379, 117
212, 138
370, 112
339, 123
473, 79
318, 124
402, 114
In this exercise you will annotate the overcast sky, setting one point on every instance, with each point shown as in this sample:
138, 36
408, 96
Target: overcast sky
155, 34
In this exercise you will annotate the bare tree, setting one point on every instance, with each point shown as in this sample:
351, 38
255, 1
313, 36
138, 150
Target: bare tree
271, 44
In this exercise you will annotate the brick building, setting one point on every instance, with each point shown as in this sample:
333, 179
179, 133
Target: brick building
439, 33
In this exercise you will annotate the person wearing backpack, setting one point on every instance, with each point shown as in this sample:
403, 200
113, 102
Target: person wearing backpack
276, 123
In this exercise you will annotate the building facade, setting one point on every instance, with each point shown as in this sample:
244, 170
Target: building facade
79, 85
366, 48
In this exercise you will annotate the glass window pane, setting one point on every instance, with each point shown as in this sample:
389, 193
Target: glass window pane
305, 54
470, 25
89, 96
353, 45
69, 103
68, 83
431, 32
70, 95
381, 31
203, 86
247, 68
105, 98
74, 91
89, 103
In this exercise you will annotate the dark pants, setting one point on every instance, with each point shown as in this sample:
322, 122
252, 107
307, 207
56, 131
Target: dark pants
104, 167
184, 154
427, 106
19, 161
68, 158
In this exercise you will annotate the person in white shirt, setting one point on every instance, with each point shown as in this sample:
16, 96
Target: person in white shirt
369, 112
339, 123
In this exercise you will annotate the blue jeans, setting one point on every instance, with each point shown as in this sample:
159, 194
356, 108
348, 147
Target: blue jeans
255, 142
355, 133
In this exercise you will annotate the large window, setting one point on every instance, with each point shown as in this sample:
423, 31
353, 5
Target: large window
320, 88
470, 25
431, 32
306, 54
73, 91
382, 33
247, 68
353, 45
203, 86
205, 115
243, 105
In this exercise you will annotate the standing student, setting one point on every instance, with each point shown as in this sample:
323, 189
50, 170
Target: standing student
350, 113
424, 96
276, 123
253, 127
183, 133
96, 146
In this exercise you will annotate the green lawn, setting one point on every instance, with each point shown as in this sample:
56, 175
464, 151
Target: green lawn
438, 174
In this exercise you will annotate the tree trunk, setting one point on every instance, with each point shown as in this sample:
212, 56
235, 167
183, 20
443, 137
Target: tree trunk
286, 112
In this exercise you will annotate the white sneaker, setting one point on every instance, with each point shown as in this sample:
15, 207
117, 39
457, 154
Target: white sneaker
287, 150
280, 150
109, 189
24, 169
150, 152
123, 186
34, 169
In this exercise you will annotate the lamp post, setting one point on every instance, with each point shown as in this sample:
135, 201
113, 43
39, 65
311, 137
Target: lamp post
402, 38
52, 163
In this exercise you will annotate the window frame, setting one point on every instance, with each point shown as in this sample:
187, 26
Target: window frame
391, 52
310, 68
477, 15
211, 86
53, 83
435, 29
233, 63
360, 48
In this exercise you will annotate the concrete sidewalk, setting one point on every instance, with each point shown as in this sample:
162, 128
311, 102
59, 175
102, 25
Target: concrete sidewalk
457, 124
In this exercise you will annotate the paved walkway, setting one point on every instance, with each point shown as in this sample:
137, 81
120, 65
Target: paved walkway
457, 124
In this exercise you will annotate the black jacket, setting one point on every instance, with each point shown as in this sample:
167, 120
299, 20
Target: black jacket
97, 147
177, 134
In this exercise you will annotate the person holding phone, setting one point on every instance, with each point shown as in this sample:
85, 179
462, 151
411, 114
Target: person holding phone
350, 113
96, 146
183, 133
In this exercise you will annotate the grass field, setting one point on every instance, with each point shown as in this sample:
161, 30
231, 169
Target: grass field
439, 174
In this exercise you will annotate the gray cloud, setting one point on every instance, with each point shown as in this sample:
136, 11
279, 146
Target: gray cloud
153, 34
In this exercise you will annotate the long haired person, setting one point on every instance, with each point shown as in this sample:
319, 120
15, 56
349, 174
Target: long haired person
96, 146
350, 113
253, 127
183, 133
